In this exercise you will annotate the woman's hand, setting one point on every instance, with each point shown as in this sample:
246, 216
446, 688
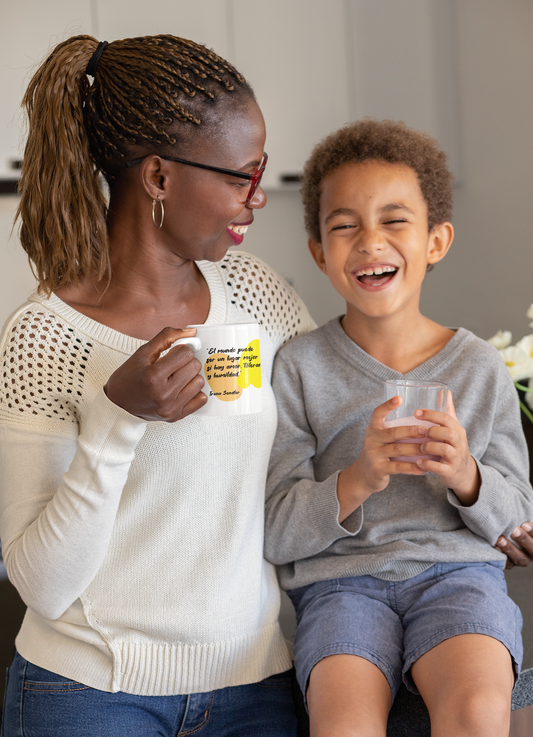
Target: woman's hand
371, 472
456, 469
518, 556
154, 387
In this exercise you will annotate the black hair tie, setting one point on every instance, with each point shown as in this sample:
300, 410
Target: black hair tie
95, 58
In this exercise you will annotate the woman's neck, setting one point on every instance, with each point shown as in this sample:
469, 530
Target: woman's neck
150, 287
140, 308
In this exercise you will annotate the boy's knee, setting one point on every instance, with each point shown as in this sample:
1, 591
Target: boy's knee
475, 712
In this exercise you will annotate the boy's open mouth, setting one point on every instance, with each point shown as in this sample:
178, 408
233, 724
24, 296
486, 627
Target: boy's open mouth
375, 276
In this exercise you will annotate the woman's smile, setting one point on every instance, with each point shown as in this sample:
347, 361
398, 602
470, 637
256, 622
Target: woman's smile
237, 231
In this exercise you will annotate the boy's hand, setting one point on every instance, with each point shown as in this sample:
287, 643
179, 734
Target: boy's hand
456, 469
371, 472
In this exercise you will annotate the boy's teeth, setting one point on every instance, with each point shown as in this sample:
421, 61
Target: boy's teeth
378, 270
239, 229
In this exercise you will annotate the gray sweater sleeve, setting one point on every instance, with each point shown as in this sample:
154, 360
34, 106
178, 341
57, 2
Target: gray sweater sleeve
301, 512
505, 494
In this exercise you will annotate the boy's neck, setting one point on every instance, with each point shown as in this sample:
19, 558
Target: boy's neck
400, 344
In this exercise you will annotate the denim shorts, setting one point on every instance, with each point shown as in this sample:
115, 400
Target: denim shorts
39, 703
393, 623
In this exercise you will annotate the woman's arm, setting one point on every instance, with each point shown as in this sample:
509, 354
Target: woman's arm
60, 495
60, 491
521, 553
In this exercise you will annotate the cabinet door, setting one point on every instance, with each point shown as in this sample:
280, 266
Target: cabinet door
203, 21
293, 52
29, 28
402, 66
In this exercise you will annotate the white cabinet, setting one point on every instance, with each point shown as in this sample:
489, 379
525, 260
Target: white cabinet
403, 66
294, 53
28, 29
314, 64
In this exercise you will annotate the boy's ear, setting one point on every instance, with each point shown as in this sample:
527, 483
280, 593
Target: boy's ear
318, 254
440, 240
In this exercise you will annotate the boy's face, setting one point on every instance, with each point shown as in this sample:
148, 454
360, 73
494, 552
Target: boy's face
375, 241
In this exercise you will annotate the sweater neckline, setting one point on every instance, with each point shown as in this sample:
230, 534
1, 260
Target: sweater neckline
126, 343
343, 344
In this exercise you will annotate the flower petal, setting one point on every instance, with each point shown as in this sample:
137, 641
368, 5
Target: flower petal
518, 362
502, 339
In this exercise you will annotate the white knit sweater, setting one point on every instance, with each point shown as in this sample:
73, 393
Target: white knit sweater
138, 547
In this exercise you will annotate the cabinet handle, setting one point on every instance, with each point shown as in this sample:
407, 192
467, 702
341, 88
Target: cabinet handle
290, 178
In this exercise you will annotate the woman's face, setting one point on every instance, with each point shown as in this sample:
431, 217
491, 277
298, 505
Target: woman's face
206, 211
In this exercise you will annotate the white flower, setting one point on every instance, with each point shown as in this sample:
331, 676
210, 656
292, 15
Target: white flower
529, 314
502, 339
518, 361
526, 344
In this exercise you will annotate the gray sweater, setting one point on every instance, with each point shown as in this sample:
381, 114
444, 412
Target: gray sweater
326, 389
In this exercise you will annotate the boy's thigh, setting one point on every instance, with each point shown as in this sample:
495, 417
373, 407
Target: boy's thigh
348, 616
463, 598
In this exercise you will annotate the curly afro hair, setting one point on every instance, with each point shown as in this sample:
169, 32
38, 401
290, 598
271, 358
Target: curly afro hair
381, 140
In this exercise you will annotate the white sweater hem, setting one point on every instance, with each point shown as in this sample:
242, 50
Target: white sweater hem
145, 669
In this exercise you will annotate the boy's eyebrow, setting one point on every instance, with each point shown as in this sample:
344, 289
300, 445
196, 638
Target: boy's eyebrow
386, 208
396, 206
339, 211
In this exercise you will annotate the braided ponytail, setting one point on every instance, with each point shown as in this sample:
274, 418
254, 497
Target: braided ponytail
62, 208
148, 95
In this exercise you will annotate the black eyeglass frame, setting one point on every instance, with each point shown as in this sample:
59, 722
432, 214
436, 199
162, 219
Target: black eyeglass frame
254, 178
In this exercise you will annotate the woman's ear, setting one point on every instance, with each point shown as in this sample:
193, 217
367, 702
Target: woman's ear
154, 174
440, 240
318, 255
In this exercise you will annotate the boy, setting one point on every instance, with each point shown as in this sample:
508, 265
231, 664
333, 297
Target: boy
390, 564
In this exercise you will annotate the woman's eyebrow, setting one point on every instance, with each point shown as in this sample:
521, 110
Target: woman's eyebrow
255, 163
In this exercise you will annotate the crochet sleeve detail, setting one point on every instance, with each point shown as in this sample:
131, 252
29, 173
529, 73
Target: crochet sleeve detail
265, 297
44, 362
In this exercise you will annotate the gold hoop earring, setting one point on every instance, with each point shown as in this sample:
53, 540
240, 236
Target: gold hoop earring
162, 213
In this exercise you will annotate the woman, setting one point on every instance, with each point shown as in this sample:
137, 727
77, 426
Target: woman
132, 528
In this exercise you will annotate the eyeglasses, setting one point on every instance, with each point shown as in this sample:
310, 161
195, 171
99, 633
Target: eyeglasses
254, 179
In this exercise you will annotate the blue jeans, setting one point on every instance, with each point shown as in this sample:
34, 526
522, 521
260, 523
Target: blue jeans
39, 703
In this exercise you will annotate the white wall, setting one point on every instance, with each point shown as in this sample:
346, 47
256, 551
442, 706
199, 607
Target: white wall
486, 282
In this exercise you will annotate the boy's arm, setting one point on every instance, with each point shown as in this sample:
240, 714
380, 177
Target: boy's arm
505, 495
301, 513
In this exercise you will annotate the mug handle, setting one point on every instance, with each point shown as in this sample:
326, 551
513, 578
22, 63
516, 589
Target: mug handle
194, 343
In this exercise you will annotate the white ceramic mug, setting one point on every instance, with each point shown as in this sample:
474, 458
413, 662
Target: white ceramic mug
230, 355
